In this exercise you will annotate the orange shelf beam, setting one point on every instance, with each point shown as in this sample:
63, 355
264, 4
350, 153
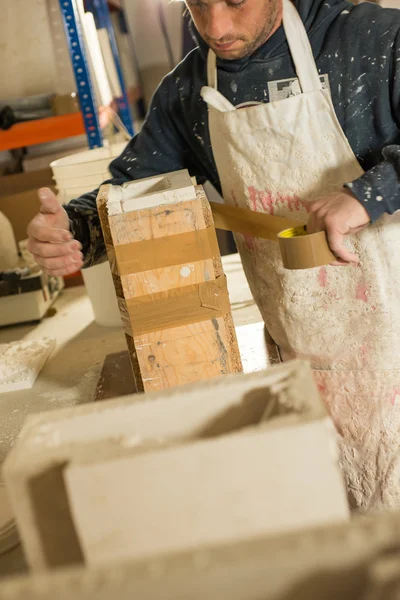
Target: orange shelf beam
42, 131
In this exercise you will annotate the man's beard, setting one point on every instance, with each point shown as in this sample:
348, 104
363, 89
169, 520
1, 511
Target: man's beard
251, 46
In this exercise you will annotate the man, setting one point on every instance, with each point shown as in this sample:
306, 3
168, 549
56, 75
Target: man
317, 143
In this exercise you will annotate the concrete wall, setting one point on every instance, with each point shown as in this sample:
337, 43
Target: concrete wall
28, 63
26, 50
149, 43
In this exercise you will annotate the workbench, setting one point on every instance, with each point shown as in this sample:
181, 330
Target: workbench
71, 374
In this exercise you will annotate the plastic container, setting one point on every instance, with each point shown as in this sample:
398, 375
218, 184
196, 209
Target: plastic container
83, 179
100, 288
86, 181
82, 164
76, 175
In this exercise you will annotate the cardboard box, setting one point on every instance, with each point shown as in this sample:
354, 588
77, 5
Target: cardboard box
216, 462
65, 104
22, 182
40, 157
19, 200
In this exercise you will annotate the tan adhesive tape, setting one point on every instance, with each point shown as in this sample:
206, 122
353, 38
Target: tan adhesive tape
249, 222
179, 306
159, 253
299, 249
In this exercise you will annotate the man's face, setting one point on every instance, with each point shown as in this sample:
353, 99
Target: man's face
235, 28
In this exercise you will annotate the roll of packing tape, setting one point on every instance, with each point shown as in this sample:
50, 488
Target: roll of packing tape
299, 249
302, 250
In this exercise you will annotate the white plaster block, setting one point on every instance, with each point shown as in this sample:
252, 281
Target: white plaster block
151, 191
229, 422
206, 492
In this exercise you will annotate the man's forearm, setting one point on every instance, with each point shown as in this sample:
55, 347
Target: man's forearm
378, 189
85, 227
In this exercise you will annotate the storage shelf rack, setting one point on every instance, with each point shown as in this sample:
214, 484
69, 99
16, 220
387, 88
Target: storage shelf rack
92, 119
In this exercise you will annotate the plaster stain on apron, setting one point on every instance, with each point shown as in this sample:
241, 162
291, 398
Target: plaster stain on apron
279, 158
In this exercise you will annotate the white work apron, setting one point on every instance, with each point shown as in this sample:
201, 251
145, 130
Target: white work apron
278, 158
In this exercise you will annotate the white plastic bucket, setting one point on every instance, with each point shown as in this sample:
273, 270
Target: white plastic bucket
82, 180
100, 288
83, 172
76, 175
82, 164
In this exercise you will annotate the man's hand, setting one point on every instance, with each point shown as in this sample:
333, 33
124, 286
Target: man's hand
338, 214
50, 240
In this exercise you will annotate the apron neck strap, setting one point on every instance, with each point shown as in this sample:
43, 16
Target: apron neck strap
300, 50
212, 78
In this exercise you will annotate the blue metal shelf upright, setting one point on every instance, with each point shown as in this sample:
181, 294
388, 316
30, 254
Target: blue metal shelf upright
101, 13
80, 66
76, 45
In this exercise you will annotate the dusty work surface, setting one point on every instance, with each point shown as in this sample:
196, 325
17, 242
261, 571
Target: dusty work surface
71, 374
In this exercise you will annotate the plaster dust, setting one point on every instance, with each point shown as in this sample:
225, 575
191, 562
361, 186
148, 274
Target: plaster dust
70, 376
21, 363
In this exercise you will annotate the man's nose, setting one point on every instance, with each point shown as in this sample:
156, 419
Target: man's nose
218, 21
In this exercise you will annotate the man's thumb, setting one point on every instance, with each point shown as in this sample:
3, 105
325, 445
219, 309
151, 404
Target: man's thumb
336, 244
48, 202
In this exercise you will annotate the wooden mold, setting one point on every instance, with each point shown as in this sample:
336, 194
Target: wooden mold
163, 251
